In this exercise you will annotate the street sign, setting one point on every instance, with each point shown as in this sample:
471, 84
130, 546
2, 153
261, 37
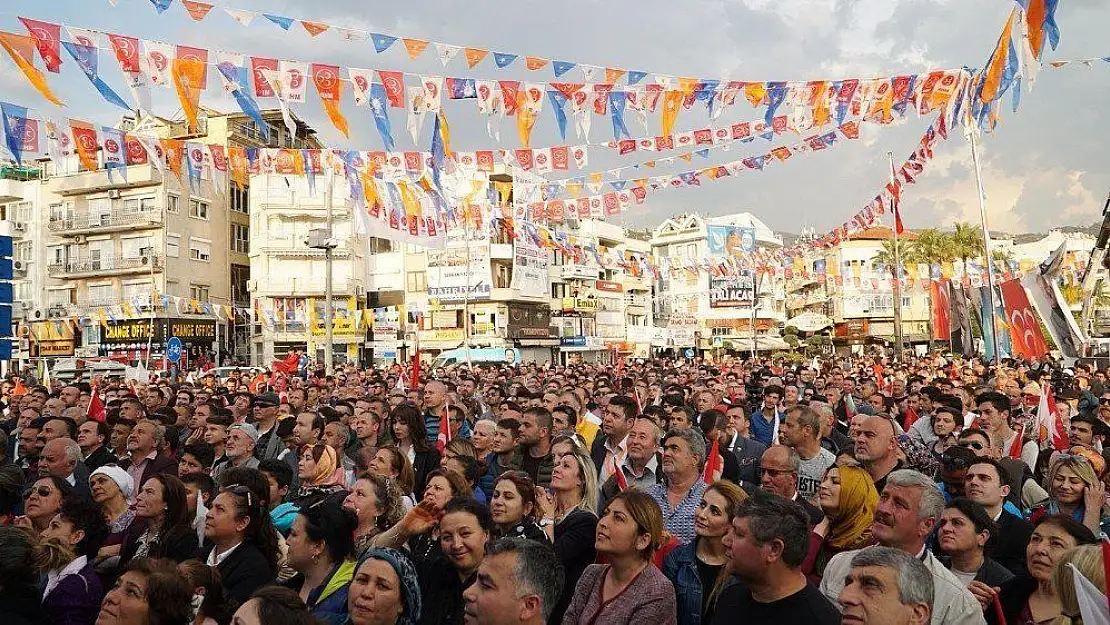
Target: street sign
689, 353
173, 349
718, 341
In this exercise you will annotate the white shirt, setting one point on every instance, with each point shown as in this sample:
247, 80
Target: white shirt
198, 520
53, 578
215, 559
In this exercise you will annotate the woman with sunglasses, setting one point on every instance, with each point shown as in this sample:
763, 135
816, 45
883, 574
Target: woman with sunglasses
42, 501
163, 527
514, 509
1075, 488
244, 543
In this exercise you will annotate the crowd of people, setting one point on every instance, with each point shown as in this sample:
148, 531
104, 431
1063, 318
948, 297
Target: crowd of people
847, 489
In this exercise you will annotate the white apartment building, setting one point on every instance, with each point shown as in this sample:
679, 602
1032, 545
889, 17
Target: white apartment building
701, 312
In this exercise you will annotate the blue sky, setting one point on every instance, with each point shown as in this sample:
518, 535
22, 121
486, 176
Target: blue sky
1044, 167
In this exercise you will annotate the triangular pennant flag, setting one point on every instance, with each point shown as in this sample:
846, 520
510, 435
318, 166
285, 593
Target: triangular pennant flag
382, 42
534, 62
562, 67
613, 74
330, 87
474, 56
285, 23
47, 37
446, 52
314, 28
503, 59
635, 77
22, 50
242, 16
161, 5
197, 10
415, 47
86, 57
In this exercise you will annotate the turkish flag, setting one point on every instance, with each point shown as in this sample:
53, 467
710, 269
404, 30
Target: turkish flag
938, 292
96, 410
1025, 329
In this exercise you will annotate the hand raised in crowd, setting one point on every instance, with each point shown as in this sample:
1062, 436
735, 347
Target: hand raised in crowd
984, 594
546, 503
422, 518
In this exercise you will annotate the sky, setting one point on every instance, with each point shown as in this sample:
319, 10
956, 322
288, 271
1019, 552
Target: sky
1043, 167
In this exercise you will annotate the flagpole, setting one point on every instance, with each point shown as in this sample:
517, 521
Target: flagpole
986, 242
897, 274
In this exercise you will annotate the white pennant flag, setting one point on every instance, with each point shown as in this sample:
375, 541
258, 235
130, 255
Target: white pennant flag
158, 56
243, 17
360, 85
294, 80
446, 52
1092, 602
84, 37
417, 108
433, 93
276, 84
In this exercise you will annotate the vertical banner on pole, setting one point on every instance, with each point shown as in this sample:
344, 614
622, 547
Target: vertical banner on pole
6, 297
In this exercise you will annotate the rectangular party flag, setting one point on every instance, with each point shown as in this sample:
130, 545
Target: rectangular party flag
111, 150
15, 128
85, 142
394, 84
47, 38
261, 70
330, 87
22, 50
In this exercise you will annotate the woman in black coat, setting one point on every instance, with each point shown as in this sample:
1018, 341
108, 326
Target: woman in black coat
411, 438
244, 547
162, 526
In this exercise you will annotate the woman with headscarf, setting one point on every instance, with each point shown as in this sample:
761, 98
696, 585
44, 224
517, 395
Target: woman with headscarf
322, 478
111, 488
848, 497
384, 590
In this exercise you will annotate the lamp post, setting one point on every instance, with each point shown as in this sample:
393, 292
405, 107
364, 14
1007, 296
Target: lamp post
322, 239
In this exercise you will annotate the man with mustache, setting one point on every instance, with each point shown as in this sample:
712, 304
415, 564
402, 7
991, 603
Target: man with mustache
887, 587
908, 510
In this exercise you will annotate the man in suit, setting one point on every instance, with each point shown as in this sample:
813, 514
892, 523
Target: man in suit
61, 458
143, 458
987, 484
93, 437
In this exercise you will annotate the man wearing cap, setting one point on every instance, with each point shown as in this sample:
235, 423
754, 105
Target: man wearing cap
267, 444
239, 449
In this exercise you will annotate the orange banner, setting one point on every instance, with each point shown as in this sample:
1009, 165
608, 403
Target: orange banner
85, 142
22, 51
330, 88
188, 81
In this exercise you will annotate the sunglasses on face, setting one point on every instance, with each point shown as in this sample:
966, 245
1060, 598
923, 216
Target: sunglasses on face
972, 445
41, 491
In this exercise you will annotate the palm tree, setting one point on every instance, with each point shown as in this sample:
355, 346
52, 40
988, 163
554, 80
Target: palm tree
909, 253
935, 246
967, 243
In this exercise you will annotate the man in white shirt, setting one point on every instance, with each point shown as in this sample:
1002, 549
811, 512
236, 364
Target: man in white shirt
908, 510
801, 430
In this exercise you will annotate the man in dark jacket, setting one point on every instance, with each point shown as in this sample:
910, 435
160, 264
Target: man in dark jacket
535, 441
144, 459
93, 437
965, 528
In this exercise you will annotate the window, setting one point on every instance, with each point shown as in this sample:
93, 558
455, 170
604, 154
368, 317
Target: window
198, 209
100, 294
240, 199
24, 250
134, 205
21, 212
417, 281
135, 247
173, 203
200, 250
240, 239
198, 292
136, 293
100, 208
173, 245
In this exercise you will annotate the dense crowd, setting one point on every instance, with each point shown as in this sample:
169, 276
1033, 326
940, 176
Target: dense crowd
749, 491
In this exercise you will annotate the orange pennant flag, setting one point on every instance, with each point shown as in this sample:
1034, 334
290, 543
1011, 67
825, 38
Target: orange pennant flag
197, 10
22, 51
175, 154
781, 153
613, 74
686, 157
755, 92
534, 62
314, 28
238, 165
672, 100
474, 56
1034, 20
415, 47
526, 107
85, 142
992, 81
188, 81
330, 88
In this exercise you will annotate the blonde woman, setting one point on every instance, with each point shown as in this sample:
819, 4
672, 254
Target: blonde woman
569, 518
1088, 561
1075, 489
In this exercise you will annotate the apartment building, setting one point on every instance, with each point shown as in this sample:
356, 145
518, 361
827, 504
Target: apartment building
704, 312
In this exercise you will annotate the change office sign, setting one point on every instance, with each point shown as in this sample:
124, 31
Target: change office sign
460, 272
732, 291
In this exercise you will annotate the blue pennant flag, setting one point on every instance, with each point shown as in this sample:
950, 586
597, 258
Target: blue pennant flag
161, 5
841, 107
562, 67
353, 181
769, 135
1051, 29
379, 107
558, 105
284, 22
192, 166
690, 178
776, 95
439, 148
618, 185
900, 106
243, 98
87, 58
461, 88
503, 59
829, 138
550, 191
15, 124
1009, 72
382, 42
617, 101
635, 77
704, 152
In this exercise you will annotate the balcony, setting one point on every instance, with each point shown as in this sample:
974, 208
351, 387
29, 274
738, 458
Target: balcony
95, 181
11, 190
107, 266
636, 283
113, 221
306, 287
501, 251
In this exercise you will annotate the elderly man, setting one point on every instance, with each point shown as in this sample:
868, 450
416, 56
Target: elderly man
887, 587
239, 450
906, 516
641, 465
778, 474
269, 444
678, 498
143, 456
61, 458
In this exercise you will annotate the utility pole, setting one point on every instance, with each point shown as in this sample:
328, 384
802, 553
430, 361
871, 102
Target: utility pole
994, 357
755, 307
896, 272
322, 239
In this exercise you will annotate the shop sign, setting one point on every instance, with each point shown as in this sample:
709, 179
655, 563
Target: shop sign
53, 348
572, 341
445, 335
529, 322
609, 286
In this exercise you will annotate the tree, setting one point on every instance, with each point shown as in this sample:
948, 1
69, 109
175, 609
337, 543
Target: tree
935, 246
908, 253
967, 243
1002, 255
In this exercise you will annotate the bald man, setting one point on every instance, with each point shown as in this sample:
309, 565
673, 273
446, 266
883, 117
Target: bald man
877, 449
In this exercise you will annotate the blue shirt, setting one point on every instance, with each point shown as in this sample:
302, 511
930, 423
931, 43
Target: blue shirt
763, 430
679, 521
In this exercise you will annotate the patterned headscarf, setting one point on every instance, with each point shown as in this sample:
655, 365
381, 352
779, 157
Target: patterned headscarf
328, 470
918, 456
850, 525
410, 585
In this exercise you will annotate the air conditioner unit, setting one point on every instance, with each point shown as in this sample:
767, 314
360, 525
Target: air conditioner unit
252, 285
19, 266
57, 312
113, 194
19, 226
27, 305
37, 314
80, 239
